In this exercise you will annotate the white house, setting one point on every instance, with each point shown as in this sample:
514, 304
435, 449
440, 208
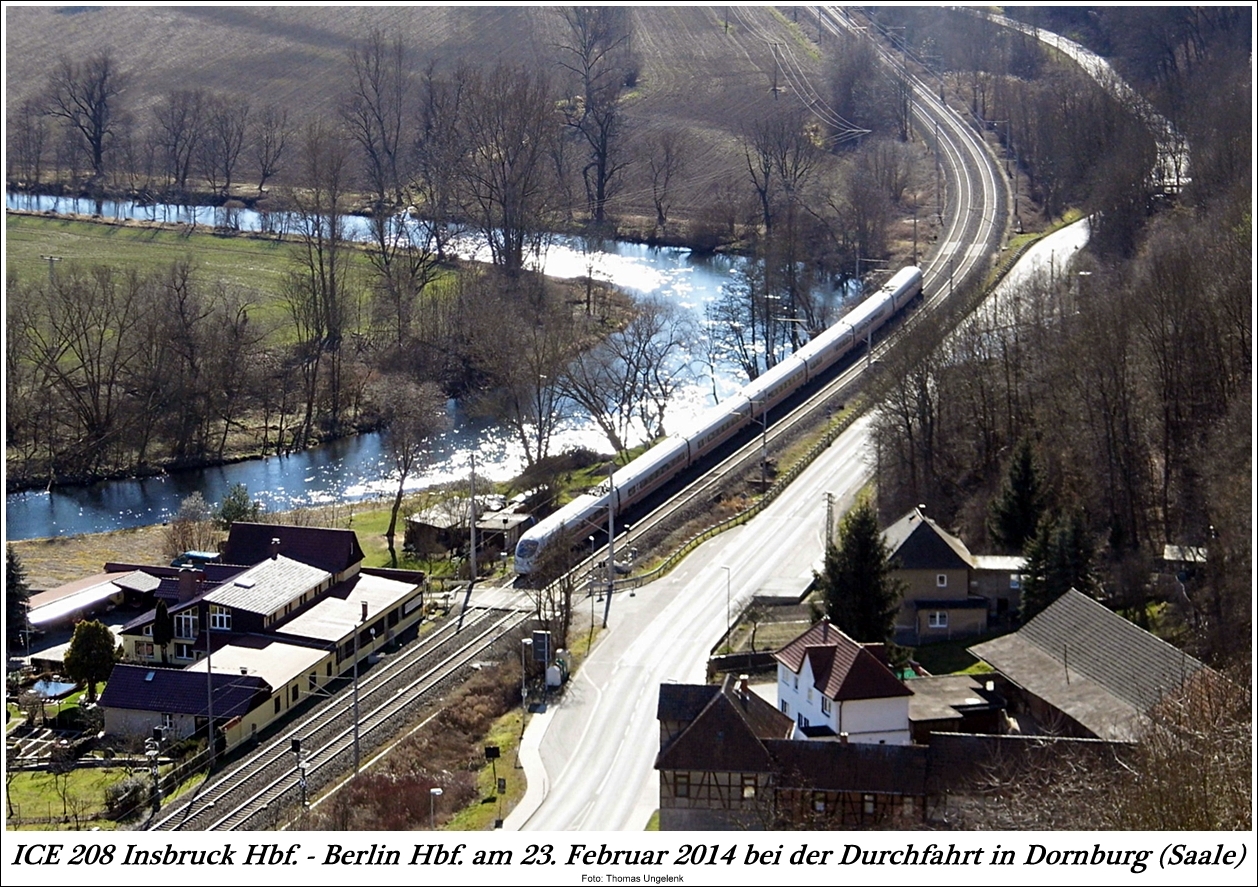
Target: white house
834, 687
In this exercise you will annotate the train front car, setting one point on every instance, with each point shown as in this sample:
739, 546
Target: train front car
581, 515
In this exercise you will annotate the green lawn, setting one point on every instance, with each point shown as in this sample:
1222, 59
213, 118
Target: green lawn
950, 657
36, 795
252, 263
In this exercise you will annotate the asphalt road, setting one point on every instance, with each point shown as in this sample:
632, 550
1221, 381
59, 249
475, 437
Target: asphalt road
589, 759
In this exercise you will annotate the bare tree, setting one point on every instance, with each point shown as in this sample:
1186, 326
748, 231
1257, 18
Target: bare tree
86, 96
666, 161
375, 113
180, 120
317, 293
509, 122
223, 139
596, 54
415, 414
434, 189
29, 137
271, 134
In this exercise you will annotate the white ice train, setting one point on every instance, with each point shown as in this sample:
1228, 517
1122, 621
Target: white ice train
660, 464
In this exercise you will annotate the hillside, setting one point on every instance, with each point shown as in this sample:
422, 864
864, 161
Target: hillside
696, 74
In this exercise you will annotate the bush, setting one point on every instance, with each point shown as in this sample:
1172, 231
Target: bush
123, 799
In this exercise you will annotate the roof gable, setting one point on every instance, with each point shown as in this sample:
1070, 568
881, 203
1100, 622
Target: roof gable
842, 669
329, 549
726, 734
918, 543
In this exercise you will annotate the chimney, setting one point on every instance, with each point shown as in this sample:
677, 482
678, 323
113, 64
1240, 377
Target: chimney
275, 547
743, 686
189, 582
843, 738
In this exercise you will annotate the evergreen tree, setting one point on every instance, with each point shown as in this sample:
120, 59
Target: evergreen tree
860, 596
17, 595
163, 627
1014, 516
91, 655
1059, 558
237, 506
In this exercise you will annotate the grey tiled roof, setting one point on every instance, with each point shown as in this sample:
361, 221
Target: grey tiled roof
918, 543
267, 586
1090, 663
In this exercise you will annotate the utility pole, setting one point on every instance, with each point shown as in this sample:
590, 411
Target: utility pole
358, 630
611, 541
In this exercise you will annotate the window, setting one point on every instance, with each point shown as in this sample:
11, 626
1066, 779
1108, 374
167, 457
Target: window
296, 693
148, 631
186, 624
168, 720
801, 720
819, 802
810, 694
869, 804
941, 580
220, 618
1015, 581
277, 705
796, 682
681, 785
826, 705
938, 619
786, 708
749, 786
143, 651
185, 651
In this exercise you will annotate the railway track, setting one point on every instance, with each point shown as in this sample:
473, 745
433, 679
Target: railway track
975, 214
256, 792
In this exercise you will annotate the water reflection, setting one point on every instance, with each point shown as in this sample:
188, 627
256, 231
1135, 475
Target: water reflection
356, 468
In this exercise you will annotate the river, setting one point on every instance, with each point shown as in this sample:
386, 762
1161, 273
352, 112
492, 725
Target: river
355, 468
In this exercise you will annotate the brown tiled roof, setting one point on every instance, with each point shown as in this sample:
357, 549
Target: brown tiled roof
727, 734
683, 702
850, 767
842, 669
332, 550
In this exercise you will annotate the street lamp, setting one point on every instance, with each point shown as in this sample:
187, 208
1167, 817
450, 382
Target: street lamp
433, 793
727, 616
525, 644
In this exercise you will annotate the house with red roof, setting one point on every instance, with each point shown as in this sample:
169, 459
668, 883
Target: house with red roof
836, 688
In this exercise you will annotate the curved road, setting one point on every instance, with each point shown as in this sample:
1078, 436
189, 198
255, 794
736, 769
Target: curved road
589, 759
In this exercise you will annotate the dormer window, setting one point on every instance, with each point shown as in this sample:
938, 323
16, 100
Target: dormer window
220, 618
186, 624
941, 580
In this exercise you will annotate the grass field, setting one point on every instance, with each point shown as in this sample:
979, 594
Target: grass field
34, 796
256, 264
